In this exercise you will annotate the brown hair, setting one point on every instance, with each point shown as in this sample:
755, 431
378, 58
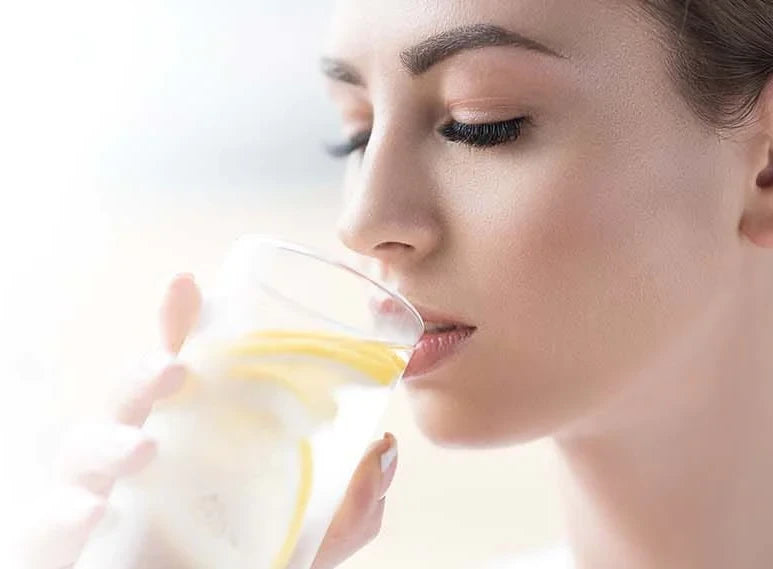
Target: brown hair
720, 54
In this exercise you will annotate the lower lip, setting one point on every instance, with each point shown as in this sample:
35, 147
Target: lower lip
433, 350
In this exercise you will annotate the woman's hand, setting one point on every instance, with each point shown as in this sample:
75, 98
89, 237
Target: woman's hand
92, 458
358, 520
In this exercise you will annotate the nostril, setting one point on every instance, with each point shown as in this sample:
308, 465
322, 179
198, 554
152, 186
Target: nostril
393, 252
393, 246
765, 178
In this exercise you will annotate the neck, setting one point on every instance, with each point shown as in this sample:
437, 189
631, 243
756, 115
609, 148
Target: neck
684, 477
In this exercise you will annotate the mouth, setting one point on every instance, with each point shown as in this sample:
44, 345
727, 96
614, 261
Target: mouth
444, 336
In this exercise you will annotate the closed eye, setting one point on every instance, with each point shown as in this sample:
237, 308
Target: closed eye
477, 135
343, 149
483, 135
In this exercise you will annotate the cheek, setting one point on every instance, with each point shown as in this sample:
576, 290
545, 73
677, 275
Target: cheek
602, 259
617, 250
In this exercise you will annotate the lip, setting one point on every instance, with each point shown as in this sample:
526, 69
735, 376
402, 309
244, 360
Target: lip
435, 348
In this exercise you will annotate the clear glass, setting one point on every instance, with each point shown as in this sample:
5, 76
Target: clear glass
291, 366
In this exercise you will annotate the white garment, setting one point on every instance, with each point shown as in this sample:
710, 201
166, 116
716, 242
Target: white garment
555, 557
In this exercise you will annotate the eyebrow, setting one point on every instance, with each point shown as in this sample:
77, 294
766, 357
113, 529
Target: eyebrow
421, 57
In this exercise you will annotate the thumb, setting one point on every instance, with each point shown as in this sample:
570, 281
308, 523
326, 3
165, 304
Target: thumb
180, 310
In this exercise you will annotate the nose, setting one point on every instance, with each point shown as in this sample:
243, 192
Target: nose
390, 211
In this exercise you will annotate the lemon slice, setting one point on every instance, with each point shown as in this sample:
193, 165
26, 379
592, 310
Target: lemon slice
374, 360
302, 502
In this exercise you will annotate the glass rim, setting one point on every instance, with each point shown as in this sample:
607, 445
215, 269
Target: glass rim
293, 247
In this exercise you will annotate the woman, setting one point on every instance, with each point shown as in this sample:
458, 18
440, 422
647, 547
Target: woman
584, 189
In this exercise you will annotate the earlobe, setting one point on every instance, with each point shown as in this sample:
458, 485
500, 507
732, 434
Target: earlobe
757, 221
758, 230
765, 177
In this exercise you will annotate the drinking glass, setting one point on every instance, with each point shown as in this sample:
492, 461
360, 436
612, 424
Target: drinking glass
291, 368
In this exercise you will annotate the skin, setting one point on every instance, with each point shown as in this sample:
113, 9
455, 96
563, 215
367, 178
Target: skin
615, 260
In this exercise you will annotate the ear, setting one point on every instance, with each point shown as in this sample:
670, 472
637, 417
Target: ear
757, 220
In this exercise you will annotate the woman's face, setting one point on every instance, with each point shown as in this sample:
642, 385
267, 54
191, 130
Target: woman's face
595, 232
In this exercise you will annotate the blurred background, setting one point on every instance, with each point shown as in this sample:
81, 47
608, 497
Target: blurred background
138, 140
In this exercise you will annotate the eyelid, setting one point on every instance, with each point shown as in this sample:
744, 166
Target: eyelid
484, 110
354, 122
353, 110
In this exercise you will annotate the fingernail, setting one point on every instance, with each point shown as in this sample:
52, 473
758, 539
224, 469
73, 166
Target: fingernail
388, 457
387, 462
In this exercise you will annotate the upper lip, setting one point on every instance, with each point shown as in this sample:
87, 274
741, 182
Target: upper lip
429, 316
435, 317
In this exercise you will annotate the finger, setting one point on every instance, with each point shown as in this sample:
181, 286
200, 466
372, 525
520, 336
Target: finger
94, 456
160, 376
58, 526
371, 479
358, 519
180, 311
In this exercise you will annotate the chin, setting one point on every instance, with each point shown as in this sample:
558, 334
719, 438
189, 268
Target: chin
450, 423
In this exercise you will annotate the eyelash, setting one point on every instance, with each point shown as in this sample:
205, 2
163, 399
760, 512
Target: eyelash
476, 135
